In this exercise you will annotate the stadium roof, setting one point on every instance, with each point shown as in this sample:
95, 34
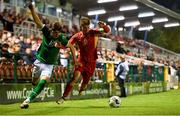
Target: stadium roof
116, 8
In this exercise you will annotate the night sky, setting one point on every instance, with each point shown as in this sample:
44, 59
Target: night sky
171, 4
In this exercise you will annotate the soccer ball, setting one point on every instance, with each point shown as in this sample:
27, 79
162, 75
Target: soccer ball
114, 101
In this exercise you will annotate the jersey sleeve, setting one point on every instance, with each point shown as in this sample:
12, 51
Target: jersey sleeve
63, 39
76, 37
46, 32
104, 29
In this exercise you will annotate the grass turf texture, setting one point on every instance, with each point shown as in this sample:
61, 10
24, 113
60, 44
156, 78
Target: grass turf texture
165, 103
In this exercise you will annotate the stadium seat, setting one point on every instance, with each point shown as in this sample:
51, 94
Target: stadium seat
7, 71
29, 69
1, 71
11, 69
19, 75
23, 72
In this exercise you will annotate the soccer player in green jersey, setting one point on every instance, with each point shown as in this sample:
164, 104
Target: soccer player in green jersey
46, 55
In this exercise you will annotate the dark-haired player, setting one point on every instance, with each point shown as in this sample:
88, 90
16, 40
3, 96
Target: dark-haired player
46, 55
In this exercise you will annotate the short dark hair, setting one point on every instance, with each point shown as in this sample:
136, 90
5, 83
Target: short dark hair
57, 26
5, 45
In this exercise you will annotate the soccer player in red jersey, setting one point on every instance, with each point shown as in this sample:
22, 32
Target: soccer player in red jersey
86, 40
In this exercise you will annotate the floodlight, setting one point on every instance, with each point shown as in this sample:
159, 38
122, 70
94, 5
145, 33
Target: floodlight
105, 1
159, 20
171, 24
143, 28
132, 23
128, 7
116, 18
96, 12
146, 14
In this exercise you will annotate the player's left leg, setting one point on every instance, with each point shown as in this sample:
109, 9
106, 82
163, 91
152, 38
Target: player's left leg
87, 74
84, 82
44, 78
122, 88
36, 91
69, 87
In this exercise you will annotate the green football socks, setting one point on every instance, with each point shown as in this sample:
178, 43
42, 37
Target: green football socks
37, 89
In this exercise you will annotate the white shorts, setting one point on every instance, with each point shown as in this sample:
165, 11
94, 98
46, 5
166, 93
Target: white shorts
42, 70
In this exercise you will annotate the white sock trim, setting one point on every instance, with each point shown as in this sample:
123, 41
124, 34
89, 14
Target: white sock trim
27, 100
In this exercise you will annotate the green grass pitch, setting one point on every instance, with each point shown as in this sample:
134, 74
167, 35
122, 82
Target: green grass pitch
165, 103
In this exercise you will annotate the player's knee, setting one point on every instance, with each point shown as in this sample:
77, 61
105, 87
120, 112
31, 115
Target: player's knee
73, 82
75, 78
46, 78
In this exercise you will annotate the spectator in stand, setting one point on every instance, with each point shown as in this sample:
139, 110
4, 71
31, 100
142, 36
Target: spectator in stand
4, 53
18, 19
129, 53
25, 43
150, 54
28, 57
120, 49
8, 22
15, 51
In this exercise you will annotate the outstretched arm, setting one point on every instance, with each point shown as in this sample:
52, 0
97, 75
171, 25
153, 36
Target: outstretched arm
103, 28
69, 45
35, 16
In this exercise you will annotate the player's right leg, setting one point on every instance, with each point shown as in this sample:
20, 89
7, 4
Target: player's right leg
87, 74
35, 80
69, 87
40, 86
45, 71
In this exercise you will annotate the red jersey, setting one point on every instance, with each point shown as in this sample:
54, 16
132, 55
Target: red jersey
88, 49
86, 43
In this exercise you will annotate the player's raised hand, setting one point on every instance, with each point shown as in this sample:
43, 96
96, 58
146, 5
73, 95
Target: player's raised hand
101, 24
28, 3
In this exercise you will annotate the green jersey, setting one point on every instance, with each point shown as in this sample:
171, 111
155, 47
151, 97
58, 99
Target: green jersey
47, 52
